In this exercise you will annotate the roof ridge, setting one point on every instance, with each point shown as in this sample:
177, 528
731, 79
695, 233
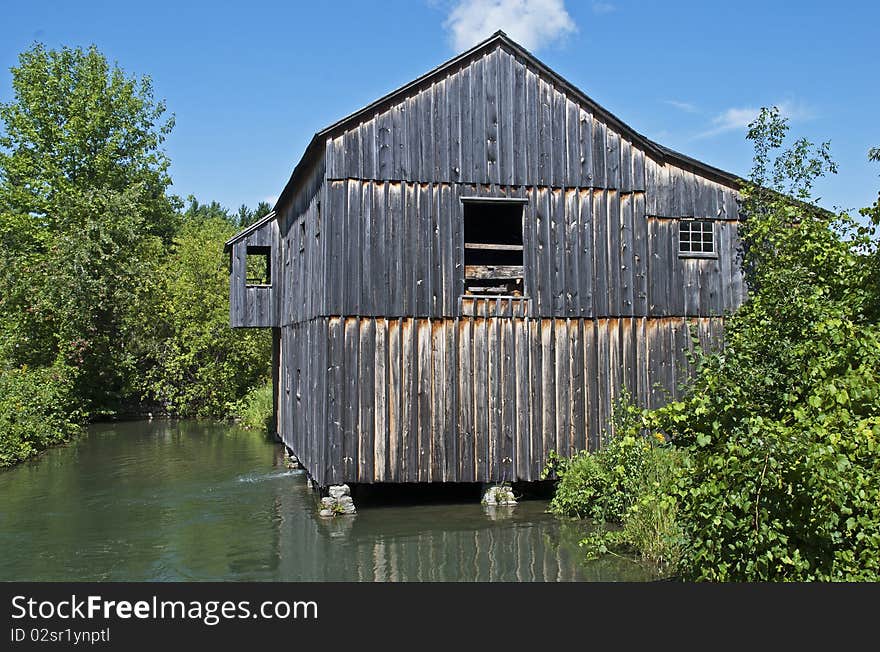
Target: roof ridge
658, 151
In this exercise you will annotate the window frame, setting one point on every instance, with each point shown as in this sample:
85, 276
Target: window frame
521, 202
698, 254
258, 250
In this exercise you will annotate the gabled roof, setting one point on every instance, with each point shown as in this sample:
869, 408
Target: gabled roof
655, 150
250, 229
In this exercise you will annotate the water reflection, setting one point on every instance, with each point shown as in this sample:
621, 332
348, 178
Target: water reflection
167, 500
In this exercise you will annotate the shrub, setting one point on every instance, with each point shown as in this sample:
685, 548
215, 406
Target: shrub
782, 427
791, 493
37, 410
627, 487
256, 407
602, 485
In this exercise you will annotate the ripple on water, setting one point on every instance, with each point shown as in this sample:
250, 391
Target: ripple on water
263, 477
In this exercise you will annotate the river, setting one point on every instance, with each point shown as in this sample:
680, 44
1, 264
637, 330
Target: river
196, 501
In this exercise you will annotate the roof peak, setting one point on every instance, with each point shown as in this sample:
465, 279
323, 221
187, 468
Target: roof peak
659, 152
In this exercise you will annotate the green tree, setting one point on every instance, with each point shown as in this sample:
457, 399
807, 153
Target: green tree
783, 426
193, 363
83, 215
246, 216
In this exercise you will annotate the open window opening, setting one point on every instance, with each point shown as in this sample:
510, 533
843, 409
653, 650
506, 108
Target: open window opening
493, 248
258, 269
696, 238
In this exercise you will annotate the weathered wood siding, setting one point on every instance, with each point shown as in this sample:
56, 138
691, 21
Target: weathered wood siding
298, 258
471, 399
304, 256
496, 119
397, 250
388, 374
253, 306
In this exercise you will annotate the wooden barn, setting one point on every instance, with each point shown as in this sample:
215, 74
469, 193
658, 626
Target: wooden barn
464, 275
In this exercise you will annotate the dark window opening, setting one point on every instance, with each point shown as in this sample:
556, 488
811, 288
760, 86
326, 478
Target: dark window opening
493, 248
258, 267
317, 220
696, 237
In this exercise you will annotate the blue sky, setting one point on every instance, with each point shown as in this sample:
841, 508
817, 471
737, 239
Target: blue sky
250, 83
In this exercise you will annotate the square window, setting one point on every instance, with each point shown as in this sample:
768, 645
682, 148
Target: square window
696, 237
258, 266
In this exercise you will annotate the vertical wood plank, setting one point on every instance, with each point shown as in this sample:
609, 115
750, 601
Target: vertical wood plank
562, 382
380, 414
481, 399
438, 403
495, 389
627, 255
600, 254
519, 104
612, 159
335, 402
598, 154
450, 387
613, 247
536, 412
395, 400
557, 252
640, 256
505, 119
466, 122
548, 388
507, 400
350, 408
532, 145
571, 255
410, 410
576, 369
422, 434
478, 172
522, 436
492, 116
466, 400
366, 382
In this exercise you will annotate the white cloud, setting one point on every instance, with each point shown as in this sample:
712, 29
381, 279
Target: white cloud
533, 23
682, 106
739, 118
600, 8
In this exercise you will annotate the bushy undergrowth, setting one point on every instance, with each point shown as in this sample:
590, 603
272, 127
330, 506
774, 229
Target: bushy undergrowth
37, 410
783, 425
256, 408
626, 489
772, 467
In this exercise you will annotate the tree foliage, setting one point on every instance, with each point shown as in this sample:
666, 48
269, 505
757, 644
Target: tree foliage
83, 213
777, 475
109, 294
783, 426
195, 364
246, 216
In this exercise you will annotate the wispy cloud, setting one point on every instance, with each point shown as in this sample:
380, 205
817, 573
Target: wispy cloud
682, 106
738, 118
600, 8
533, 23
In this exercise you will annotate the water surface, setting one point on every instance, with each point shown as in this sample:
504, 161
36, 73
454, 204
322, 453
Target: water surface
187, 500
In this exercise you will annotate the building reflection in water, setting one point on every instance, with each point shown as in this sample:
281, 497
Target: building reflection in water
438, 543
